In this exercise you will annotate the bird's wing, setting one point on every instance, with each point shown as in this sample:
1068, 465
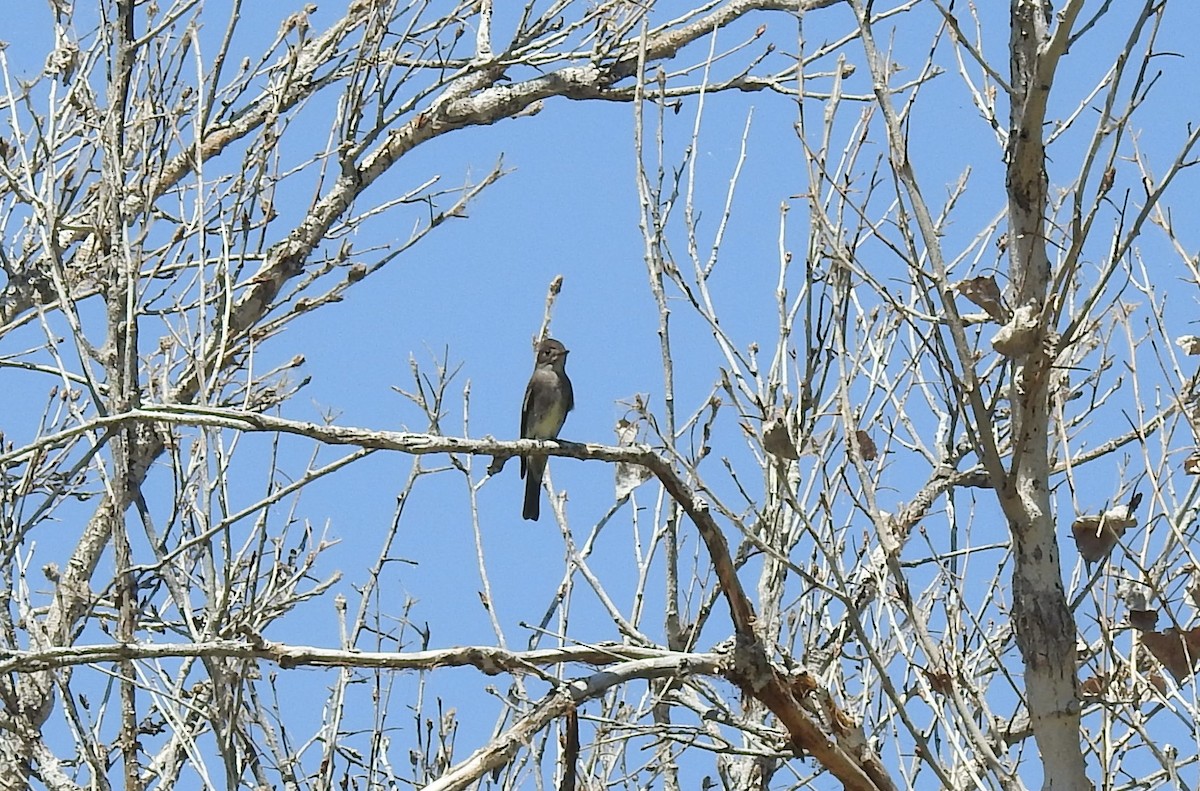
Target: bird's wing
569, 392
527, 410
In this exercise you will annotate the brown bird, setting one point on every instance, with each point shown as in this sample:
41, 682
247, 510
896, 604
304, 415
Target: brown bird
548, 399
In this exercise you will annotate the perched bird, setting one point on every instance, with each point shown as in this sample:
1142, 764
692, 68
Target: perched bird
548, 399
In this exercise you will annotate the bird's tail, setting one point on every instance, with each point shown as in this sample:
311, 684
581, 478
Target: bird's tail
534, 468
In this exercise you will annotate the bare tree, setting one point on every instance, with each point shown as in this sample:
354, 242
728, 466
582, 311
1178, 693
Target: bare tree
881, 481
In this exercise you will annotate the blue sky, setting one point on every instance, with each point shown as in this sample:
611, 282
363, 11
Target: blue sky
474, 292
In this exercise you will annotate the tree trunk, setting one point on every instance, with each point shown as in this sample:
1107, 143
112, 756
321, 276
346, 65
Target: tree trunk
1045, 630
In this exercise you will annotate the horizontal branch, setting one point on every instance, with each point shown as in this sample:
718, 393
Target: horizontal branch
373, 439
491, 661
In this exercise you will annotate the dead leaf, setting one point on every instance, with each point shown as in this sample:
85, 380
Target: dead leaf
777, 439
803, 684
1177, 652
1143, 620
1091, 539
939, 680
1093, 687
983, 292
1189, 343
866, 446
1020, 335
628, 476
1096, 534
1191, 465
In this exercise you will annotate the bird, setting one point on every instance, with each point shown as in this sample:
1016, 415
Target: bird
548, 399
